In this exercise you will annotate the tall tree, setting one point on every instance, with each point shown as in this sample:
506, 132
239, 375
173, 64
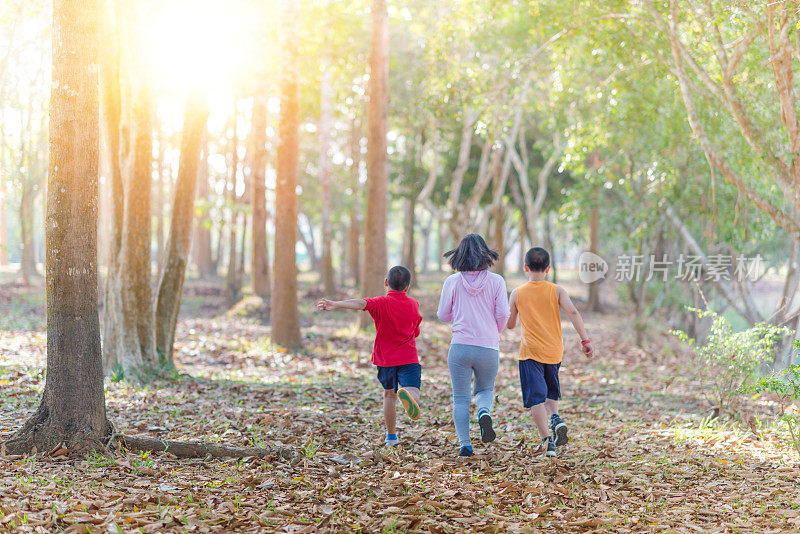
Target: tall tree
72, 413
325, 120
354, 227
201, 248
258, 193
284, 315
173, 270
377, 160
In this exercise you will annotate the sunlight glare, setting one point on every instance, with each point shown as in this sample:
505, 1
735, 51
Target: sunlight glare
196, 44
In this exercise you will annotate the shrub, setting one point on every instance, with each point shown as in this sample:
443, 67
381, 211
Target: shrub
786, 387
728, 360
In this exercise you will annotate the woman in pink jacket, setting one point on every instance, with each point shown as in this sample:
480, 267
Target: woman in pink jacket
476, 302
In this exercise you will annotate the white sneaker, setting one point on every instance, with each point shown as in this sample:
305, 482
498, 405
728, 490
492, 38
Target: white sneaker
392, 442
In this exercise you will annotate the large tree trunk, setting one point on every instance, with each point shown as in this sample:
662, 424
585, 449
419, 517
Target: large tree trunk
129, 329
593, 303
409, 243
354, 228
72, 413
377, 162
201, 248
325, 118
284, 315
173, 271
258, 190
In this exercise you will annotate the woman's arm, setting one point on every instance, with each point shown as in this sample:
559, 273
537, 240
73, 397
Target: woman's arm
501, 307
445, 311
512, 305
349, 304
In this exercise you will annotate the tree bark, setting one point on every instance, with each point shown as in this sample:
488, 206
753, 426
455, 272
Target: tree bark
158, 201
197, 449
593, 303
409, 243
325, 118
129, 329
173, 271
284, 315
27, 252
201, 248
377, 160
258, 190
354, 228
232, 285
3, 225
72, 413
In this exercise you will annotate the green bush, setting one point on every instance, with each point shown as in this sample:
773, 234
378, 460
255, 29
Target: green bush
786, 387
727, 361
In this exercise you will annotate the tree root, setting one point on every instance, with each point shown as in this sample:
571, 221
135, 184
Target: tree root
197, 449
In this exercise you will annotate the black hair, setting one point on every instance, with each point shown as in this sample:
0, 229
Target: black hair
399, 278
537, 259
472, 254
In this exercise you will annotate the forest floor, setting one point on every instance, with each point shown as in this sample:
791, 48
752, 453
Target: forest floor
643, 455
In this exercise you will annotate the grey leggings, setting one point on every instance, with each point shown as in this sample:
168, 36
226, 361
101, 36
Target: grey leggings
464, 361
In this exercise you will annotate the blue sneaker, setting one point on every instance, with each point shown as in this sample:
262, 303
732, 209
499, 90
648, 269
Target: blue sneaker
559, 429
549, 447
465, 452
392, 441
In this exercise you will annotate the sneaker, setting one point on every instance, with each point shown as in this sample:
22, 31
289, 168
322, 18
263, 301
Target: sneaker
465, 452
487, 432
559, 429
409, 404
392, 442
549, 447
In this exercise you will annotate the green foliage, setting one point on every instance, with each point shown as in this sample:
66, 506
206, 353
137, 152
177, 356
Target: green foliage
786, 387
728, 360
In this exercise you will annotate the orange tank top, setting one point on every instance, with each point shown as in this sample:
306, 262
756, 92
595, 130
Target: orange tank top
540, 320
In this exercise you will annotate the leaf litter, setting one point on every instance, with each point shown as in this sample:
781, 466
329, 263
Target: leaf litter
641, 455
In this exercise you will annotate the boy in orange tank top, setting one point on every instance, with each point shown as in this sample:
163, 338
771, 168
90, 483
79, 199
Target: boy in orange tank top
537, 304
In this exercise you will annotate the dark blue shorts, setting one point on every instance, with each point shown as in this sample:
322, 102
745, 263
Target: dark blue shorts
539, 382
407, 376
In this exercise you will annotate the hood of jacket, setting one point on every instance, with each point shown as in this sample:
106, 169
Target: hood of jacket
474, 281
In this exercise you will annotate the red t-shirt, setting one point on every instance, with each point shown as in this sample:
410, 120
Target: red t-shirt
397, 321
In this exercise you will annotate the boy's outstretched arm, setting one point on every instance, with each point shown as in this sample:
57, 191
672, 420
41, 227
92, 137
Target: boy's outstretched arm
349, 304
577, 321
512, 306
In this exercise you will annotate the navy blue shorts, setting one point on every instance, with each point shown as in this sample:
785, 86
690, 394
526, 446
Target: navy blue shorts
539, 381
407, 376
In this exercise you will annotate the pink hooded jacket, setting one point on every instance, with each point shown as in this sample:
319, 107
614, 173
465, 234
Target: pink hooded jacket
477, 304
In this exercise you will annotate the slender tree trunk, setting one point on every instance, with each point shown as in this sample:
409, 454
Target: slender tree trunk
232, 293
425, 262
258, 190
409, 242
593, 303
241, 261
284, 315
72, 414
158, 201
27, 252
129, 340
173, 272
551, 244
354, 228
325, 118
201, 248
377, 162
3, 225
442, 235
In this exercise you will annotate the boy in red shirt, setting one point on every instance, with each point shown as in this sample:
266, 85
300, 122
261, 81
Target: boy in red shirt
397, 321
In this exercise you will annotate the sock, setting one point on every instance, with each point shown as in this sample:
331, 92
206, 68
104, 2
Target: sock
483, 411
391, 436
468, 447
